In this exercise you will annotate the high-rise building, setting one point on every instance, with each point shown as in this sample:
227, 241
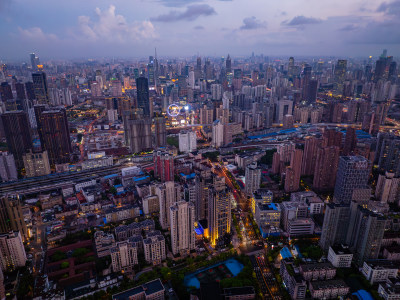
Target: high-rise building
293, 172
182, 215
54, 135
40, 87
12, 251
18, 135
187, 141
168, 193
340, 71
124, 256
335, 227
365, 233
388, 188
350, 141
389, 155
219, 214
36, 163
228, 64
217, 134
160, 132
163, 165
288, 122
252, 179
332, 137
154, 248
143, 98
8, 170
326, 164
353, 173
34, 61
5, 92
310, 155
137, 131
11, 217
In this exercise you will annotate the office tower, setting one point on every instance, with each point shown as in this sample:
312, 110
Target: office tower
40, 87
332, 137
5, 92
36, 163
380, 68
20, 90
182, 216
30, 91
335, 227
389, 155
138, 134
283, 108
168, 193
150, 72
124, 256
160, 132
311, 145
219, 214
12, 251
306, 77
228, 64
18, 135
293, 172
252, 179
34, 61
116, 88
187, 141
388, 188
11, 217
350, 141
8, 170
163, 166
95, 89
288, 122
365, 233
154, 248
326, 165
143, 98
353, 173
216, 91
340, 71
392, 75
54, 135
192, 80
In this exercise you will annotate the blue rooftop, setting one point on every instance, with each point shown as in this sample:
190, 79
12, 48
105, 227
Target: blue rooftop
140, 178
285, 253
363, 295
110, 176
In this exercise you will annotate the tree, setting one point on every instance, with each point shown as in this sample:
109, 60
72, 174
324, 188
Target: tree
64, 265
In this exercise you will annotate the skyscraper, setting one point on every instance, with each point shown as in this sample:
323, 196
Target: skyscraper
389, 156
219, 214
168, 193
252, 179
332, 137
12, 251
310, 155
163, 165
350, 141
55, 136
8, 170
5, 92
187, 141
34, 61
182, 216
228, 64
160, 132
143, 98
40, 87
138, 133
11, 217
353, 173
293, 172
340, 71
326, 165
18, 135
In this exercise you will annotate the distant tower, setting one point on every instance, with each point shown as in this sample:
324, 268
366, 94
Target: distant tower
228, 64
143, 98
40, 87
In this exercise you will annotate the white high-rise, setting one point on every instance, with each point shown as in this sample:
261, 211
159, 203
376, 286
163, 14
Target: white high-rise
192, 80
154, 248
182, 227
124, 256
12, 251
216, 91
187, 141
217, 134
252, 179
168, 193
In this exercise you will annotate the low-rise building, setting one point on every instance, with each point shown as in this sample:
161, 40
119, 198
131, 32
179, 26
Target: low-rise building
239, 293
123, 232
121, 213
379, 270
300, 227
268, 214
390, 290
152, 290
392, 252
151, 204
318, 271
328, 289
293, 280
340, 256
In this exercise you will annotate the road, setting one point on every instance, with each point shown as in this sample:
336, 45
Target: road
265, 277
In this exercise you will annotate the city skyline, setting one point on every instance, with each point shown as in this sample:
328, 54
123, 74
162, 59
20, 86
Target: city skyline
134, 28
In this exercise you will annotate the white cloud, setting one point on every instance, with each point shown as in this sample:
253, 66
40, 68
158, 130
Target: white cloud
36, 33
112, 27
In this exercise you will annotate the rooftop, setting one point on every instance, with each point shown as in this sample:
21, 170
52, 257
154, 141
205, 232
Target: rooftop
148, 288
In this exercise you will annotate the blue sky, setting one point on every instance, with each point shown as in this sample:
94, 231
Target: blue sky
133, 28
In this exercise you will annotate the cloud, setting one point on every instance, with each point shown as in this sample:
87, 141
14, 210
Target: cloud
391, 8
252, 23
36, 33
112, 27
301, 21
349, 27
181, 3
198, 27
191, 13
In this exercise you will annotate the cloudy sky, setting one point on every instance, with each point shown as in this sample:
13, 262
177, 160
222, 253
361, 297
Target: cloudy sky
133, 28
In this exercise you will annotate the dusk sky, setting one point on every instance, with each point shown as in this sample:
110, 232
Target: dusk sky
133, 28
